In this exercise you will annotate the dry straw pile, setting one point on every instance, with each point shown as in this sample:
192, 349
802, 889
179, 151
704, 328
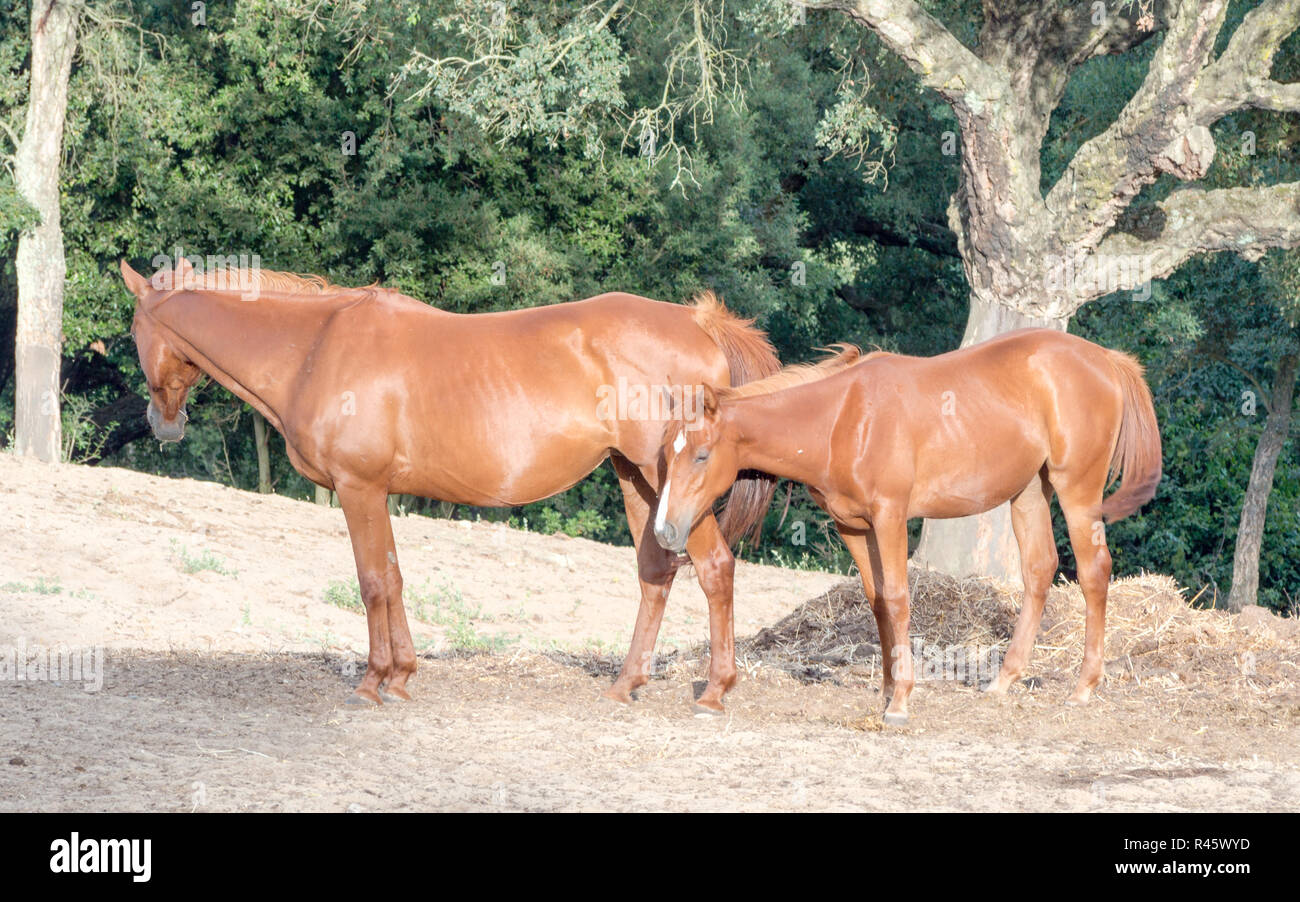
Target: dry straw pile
1156, 641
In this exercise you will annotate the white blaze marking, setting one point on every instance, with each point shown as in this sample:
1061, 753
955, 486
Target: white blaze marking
662, 513
679, 443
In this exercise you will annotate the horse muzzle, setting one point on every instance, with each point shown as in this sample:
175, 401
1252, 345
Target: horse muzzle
166, 430
671, 537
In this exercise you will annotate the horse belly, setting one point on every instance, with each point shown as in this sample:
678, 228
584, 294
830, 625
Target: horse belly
961, 486
495, 469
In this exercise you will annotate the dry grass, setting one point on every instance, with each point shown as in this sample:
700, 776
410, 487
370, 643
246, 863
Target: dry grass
1155, 640
1159, 648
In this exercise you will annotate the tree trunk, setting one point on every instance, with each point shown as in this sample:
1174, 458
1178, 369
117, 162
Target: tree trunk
322, 496
983, 545
40, 265
1250, 534
263, 454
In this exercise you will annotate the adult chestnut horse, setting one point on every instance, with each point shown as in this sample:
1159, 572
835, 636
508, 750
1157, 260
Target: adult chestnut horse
376, 393
882, 438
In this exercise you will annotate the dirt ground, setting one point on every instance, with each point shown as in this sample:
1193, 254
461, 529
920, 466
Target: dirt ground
225, 671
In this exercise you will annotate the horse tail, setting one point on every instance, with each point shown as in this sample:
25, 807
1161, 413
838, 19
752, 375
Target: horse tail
1137, 448
750, 356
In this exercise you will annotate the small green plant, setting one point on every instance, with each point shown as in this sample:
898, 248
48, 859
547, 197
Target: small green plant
83, 438
203, 560
40, 587
463, 637
443, 606
345, 594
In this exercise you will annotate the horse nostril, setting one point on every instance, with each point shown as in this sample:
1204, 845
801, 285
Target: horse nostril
670, 533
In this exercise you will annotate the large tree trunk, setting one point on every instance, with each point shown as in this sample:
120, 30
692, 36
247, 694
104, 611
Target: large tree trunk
40, 265
1250, 534
983, 545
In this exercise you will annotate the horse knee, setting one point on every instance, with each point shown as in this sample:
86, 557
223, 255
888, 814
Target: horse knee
1038, 574
716, 572
374, 590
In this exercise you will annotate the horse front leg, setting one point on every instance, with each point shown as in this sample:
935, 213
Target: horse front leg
392, 654
655, 571
890, 528
715, 568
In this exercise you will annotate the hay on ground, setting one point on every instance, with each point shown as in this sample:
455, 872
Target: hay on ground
1156, 640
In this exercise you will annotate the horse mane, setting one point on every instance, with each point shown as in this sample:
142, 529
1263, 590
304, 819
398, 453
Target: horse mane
841, 356
272, 280
242, 278
749, 354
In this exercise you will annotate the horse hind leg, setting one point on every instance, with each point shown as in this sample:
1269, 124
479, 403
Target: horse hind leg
1031, 519
1088, 539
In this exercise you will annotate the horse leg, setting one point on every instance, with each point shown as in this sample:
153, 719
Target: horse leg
366, 510
890, 528
655, 570
715, 568
399, 633
862, 546
1088, 539
1031, 519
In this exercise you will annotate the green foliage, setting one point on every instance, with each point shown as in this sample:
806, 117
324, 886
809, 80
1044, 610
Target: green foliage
1209, 338
230, 138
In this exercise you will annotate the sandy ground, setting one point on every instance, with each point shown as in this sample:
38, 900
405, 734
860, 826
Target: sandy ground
223, 688
117, 558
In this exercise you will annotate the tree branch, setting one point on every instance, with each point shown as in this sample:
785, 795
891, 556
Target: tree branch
1110, 170
929, 237
1239, 78
1194, 221
929, 49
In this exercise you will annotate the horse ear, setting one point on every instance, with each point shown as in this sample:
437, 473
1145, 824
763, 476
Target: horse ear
137, 284
184, 273
708, 400
669, 402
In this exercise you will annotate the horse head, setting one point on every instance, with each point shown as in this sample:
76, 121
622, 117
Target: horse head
168, 371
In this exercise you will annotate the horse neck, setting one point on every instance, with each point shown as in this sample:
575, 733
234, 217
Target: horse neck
253, 348
786, 433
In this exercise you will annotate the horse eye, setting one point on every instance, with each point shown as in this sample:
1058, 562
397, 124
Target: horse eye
702, 455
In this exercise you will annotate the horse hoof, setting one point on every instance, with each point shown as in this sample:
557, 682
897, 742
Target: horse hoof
895, 719
614, 694
364, 699
390, 694
707, 709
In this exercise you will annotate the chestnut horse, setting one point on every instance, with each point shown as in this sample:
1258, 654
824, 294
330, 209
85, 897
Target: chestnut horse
376, 393
882, 438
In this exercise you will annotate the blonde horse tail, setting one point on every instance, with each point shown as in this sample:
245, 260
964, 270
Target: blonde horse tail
750, 356
1137, 449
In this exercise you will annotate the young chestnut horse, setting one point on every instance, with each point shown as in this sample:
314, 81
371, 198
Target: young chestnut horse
884, 438
376, 393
